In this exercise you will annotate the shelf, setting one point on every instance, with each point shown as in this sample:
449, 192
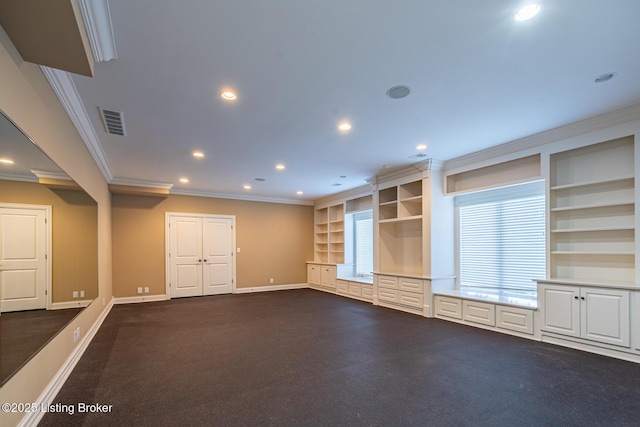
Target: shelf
592, 183
416, 199
403, 219
594, 206
594, 229
393, 202
594, 253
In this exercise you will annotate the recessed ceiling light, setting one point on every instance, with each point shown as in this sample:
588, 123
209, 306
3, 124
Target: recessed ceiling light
247, 187
605, 77
6, 161
280, 166
344, 127
398, 92
421, 147
198, 154
184, 180
527, 12
299, 193
228, 95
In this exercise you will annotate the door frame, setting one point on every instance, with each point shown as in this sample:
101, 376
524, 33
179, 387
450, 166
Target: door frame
167, 245
48, 226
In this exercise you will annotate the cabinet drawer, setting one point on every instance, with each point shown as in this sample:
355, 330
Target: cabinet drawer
448, 307
479, 312
388, 295
355, 289
410, 285
388, 282
410, 299
514, 319
367, 291
342, 286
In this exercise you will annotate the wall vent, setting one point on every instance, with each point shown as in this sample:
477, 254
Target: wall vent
113, 121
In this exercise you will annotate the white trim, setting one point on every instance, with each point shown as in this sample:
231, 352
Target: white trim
97, 22
16, 177
48, 231
141, 183
51, 175
70, 304
241, 197
49, 393
271, 288
580, 127
69, 97
135, 300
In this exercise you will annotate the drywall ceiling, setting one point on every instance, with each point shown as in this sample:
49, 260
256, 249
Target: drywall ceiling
477, 78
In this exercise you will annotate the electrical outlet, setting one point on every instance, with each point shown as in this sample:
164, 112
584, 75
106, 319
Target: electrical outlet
146, 289
104, 302
76, 334
271, 280
139, 290
75, 294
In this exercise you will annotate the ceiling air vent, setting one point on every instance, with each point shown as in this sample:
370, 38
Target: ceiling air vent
418, 156
113, 121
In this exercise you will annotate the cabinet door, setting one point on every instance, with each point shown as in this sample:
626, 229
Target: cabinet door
605, 316
561, 309
328, 276
636, 320
313, 274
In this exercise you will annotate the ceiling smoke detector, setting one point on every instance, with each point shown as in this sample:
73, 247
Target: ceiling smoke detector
398, 92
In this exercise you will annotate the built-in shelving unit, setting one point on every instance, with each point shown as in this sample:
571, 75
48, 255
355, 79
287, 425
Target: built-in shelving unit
592, 213
329, 234
400, 222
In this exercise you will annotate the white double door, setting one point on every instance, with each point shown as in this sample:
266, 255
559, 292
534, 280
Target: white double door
24, 268
200, 255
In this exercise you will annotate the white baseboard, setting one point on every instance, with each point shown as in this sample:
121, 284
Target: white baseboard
134, 300
270, 288
46, 398
70, 304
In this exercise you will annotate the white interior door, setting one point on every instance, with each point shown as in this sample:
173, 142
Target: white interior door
185, 256
23, 264
200, 259
218, 255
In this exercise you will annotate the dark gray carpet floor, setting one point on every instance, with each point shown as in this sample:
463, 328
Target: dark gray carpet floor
306, 358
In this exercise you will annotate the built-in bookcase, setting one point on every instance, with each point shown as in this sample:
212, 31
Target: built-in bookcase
592, 213
400, 222
329, 234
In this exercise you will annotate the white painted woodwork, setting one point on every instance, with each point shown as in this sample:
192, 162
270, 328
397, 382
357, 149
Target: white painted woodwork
367, 292
200, 255
328, 276
448, 307
313, 274
23, 263
411, 299
355, 289
329, 234
636, 320
342, 287
596, 314
387, 295
478, 312
514, 319
217, 240
387, 282
605, 315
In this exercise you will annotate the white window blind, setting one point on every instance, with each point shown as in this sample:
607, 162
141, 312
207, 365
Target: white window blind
363, 222
502, 237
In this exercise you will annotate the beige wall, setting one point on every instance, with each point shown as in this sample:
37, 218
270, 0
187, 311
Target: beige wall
74, 233
27, 98
275, 240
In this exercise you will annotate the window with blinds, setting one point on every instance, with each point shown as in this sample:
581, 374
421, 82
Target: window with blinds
363, 247
502, 237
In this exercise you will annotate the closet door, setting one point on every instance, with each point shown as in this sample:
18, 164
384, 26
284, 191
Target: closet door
185, 256
217, 239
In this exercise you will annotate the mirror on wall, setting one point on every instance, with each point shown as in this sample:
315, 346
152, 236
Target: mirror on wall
48, 249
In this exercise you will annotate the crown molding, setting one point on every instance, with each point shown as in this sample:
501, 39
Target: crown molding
51, 175
141, 183
68, 95
354, 193
18, 177
581, 127
245, 198
422, 167
97, 22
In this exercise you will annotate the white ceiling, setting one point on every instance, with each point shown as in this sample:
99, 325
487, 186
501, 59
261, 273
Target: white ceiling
478, 78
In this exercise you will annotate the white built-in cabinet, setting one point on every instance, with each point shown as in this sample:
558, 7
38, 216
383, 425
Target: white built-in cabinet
600, 315
329, 234
322, 276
